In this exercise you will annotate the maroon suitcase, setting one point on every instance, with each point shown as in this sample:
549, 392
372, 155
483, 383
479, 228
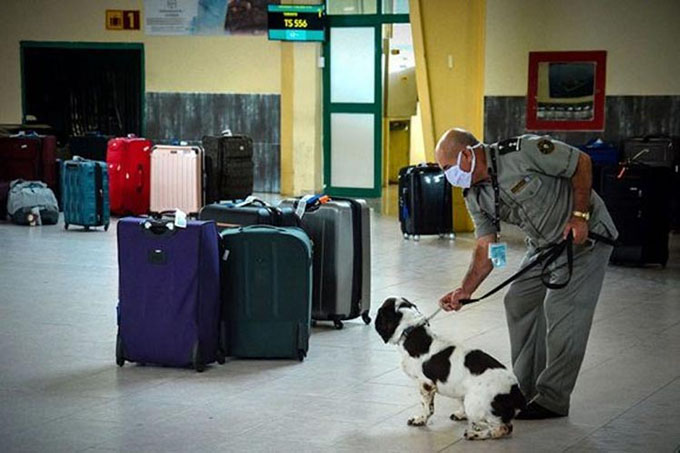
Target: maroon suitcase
29, 157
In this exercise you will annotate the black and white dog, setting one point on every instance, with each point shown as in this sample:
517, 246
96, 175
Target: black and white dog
488, 394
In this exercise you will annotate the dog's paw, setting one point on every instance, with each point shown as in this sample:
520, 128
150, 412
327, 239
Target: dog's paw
471, 434
418, 420
458, 416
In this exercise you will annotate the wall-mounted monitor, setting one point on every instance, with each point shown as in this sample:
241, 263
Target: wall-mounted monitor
566, 90
296, 22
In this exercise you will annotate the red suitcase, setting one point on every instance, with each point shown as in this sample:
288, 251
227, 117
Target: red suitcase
29, 157
129, 162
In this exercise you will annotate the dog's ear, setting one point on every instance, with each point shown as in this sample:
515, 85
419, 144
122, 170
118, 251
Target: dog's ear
388, 319
405, 303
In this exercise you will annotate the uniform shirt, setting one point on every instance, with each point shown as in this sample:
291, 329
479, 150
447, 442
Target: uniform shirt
534, 177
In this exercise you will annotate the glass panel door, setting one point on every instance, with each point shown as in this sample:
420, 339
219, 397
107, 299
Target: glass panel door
352, 111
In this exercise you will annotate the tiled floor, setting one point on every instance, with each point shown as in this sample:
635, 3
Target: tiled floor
61, 391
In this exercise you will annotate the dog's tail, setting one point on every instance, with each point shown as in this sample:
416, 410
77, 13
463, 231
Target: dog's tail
507, 405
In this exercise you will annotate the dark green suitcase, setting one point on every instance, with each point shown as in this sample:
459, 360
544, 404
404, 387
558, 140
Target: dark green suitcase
266, 292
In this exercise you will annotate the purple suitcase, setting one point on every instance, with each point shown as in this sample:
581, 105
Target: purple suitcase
169, 292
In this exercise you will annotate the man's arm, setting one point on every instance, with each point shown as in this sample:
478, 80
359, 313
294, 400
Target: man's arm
480, 268
581, 183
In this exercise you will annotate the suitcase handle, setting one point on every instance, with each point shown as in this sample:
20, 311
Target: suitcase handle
156, 227
251, 201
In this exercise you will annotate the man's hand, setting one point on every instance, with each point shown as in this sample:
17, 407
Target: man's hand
451, 301
579, 227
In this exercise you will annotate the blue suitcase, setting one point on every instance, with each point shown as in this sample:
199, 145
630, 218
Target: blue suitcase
601, 152
169, 292
85, 193
267, 292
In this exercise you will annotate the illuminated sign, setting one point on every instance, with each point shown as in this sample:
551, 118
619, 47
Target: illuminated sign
296, 22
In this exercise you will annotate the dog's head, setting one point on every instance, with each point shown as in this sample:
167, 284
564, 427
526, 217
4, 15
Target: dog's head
395, 314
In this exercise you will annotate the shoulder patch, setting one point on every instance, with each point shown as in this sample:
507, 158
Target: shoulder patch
438, 367
479, 361
508, 146
545, 146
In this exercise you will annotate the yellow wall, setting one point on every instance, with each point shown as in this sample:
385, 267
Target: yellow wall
212, 64
301, 116
449, 45
642, 40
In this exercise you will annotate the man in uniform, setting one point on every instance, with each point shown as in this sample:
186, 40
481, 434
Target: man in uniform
543, 186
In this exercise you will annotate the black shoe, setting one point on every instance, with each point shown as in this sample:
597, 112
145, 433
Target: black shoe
535, 411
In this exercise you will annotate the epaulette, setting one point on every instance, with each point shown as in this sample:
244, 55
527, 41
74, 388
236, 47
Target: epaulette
508, 146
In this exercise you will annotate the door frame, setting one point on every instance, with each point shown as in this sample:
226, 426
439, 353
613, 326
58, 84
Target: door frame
88, 46
376, 108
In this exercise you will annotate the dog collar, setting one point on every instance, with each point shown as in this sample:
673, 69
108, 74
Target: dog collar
407, 331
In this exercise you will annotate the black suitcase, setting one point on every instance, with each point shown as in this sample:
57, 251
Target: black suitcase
660, 151
425, 202
639, 204
252, 211
229, 167
91, 146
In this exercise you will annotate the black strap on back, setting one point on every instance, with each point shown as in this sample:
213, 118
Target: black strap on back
98, 191
493, 173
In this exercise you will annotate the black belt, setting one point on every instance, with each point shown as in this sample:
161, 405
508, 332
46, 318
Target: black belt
548, 256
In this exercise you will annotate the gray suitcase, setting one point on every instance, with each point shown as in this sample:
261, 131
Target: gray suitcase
341, 233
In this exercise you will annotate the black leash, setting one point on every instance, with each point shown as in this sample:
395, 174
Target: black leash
549, 256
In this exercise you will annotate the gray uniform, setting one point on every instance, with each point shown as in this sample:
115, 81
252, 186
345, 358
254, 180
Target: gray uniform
548, 328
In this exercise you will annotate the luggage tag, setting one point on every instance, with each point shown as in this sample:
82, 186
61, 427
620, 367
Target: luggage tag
302, 205
497, 254
180, 219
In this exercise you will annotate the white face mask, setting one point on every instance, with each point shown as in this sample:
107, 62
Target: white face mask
458, 177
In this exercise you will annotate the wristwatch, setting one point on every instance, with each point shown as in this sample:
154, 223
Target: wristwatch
584, 215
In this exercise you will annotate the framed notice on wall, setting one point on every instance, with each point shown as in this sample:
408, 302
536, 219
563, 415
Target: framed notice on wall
206, 17
566, 90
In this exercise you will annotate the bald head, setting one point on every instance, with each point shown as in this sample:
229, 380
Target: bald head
451, 143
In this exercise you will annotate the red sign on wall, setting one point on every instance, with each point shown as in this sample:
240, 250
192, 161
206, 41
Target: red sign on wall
117, 19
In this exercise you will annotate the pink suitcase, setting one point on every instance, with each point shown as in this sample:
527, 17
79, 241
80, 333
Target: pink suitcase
176, 178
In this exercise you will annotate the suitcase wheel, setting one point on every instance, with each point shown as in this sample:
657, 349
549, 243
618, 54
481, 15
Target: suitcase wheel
416, 237
120, 356
338, 324
66, 226
106, 227
197, 360
87, 228
301, 355
452, 236
366, 318
219, 357
406, 236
